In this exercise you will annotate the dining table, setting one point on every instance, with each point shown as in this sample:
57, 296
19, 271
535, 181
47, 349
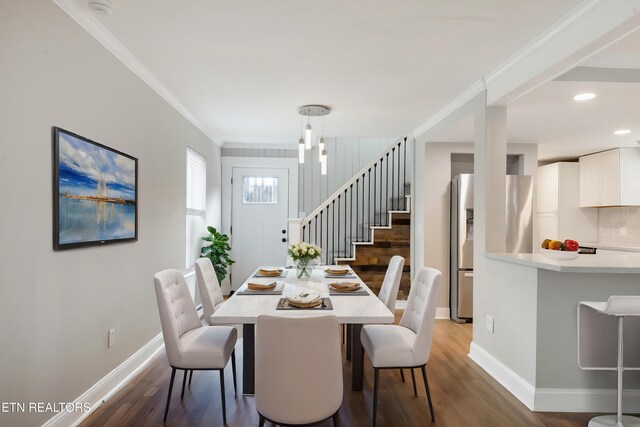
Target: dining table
354, 310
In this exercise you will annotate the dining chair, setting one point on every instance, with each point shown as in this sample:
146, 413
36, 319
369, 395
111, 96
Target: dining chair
408, 344
391, 283
209, 288
298, 370
189, 344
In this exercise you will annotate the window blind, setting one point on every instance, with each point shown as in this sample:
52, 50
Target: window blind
196, 183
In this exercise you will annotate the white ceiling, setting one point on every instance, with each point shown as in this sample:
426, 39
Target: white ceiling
564, 128
242, 68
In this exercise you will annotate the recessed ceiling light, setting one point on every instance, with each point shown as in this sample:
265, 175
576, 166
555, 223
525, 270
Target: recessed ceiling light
584, 96
101, 7
622, 132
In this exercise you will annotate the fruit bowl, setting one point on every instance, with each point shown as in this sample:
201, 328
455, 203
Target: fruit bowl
553, 254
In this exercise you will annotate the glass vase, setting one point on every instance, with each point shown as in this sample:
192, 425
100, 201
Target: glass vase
304, 268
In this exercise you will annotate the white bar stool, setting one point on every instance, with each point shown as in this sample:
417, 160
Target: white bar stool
619, 306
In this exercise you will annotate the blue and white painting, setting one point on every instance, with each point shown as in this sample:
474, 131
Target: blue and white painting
96, 192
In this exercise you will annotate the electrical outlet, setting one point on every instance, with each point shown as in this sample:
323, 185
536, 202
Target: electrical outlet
623, 231
490, 323
112, 337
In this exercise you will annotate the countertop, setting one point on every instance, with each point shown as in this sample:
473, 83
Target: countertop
604, 261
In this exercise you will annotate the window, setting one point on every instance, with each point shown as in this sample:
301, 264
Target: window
196, 204
259, 190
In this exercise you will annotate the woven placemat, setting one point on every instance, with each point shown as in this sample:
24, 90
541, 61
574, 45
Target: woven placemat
283, 304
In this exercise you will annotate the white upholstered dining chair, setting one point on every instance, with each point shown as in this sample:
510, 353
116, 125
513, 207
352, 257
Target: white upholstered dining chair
209, 288
190, 345
391, 283
407, 345
298, 369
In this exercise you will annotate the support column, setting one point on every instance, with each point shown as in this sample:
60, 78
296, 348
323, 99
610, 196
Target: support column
490, 156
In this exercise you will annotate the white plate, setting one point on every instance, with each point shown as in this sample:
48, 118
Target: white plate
560, 254
312, 296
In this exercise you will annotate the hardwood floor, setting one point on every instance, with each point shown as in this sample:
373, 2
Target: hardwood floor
463, 395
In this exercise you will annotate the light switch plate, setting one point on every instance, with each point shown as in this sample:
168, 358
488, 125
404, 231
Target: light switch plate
490, 323
112, 337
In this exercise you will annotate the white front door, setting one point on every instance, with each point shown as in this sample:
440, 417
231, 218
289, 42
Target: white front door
258, 220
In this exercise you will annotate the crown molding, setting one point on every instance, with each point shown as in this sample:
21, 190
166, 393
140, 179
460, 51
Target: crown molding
548, 47
87, 21
466, 96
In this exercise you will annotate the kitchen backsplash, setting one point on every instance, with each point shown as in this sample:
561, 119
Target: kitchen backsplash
613, 221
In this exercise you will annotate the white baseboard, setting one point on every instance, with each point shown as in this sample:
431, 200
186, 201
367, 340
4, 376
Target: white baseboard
443, 313
515, 384
109, 385
585, 400
553, 399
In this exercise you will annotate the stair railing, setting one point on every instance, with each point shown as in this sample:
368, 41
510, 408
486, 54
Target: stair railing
362, 202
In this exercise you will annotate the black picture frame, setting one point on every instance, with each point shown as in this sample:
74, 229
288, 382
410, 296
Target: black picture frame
95, 192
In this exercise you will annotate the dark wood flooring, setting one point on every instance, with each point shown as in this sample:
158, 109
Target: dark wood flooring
463, 395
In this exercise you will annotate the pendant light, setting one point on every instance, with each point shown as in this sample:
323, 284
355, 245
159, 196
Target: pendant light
307, 135
305, 141
323, 162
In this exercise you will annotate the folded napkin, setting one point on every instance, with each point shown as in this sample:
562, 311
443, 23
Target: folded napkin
345, 286
261, 286
305, 299
337, 271
269, 272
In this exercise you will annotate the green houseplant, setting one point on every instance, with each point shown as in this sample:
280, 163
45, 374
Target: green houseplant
217, 250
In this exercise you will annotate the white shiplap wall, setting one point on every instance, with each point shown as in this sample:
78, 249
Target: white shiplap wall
346, 156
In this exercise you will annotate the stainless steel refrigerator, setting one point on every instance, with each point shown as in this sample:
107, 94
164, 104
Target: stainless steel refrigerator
519, 223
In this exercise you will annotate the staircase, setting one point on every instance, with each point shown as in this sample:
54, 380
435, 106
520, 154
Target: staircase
371, 259
367, 221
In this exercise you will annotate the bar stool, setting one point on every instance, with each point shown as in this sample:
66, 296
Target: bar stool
619, 306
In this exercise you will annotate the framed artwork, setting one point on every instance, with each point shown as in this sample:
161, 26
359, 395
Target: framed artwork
95, 193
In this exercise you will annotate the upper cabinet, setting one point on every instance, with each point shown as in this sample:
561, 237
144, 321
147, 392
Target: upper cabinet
610, 178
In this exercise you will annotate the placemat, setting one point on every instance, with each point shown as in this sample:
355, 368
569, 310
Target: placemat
283, 304
338, 276
281, 276
275, 291
361, 291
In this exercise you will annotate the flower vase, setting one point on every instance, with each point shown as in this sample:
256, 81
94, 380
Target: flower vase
304, 269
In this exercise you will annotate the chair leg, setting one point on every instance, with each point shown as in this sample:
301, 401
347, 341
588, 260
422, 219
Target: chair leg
184, 382
375, 394
336, 420
426, 386
413, 377
233, 370
224, 408
402, 374
190, 377
166, 408
261, 422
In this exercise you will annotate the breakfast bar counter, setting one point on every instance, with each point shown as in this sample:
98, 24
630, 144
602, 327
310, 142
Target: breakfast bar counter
603, 261
526, 323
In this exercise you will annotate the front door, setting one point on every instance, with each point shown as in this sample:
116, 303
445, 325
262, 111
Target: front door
258, 220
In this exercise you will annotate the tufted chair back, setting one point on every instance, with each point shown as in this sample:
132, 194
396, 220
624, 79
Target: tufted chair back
391, 283
209, 287
177, 311
420, 314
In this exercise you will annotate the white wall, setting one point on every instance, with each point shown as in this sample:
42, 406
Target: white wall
56, 307
437, 176
346, 156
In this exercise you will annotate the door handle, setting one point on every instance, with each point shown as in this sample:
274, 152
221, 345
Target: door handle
284, 240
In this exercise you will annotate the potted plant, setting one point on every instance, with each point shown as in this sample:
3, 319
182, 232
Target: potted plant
303, 254
217, 250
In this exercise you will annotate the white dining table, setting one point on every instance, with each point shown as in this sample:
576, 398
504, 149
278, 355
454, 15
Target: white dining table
352, 310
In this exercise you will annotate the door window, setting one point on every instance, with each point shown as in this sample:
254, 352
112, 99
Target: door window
260, 190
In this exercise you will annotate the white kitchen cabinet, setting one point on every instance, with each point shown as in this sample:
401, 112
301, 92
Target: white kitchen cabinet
610, 178
559, 214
